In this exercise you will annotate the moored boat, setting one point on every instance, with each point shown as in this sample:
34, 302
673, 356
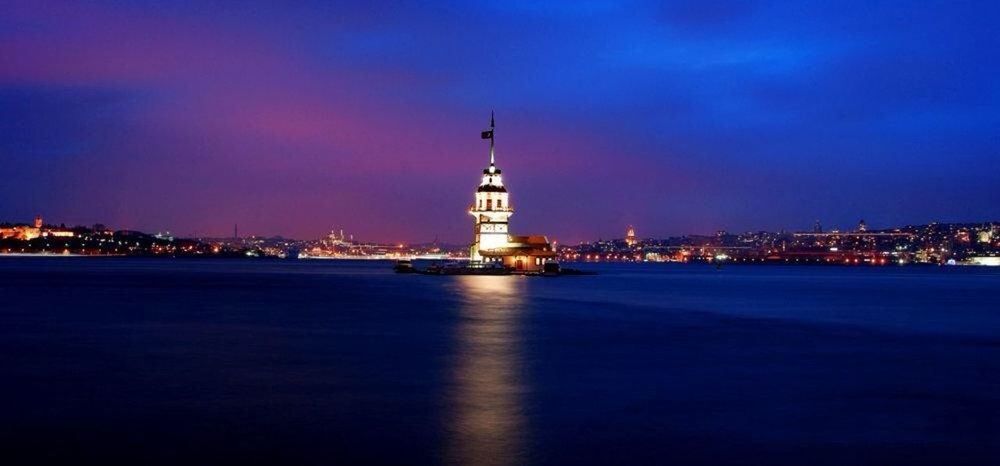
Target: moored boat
468, 268
404, 266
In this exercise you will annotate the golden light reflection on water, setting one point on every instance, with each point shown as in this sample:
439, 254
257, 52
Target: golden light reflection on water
487, 423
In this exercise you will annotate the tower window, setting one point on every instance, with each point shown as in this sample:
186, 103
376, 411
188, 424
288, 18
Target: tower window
499, 203
480, 204
489, 204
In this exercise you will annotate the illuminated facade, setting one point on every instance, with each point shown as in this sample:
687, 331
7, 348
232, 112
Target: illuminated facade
630, 236
492, 241
23, 232
37, 229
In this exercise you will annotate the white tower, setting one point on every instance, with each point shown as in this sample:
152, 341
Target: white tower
491, 208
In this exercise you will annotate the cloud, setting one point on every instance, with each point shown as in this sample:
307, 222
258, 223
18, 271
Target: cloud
677, 117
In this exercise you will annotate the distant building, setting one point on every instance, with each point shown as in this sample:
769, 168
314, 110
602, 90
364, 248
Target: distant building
862, 227
630, 236
37, 229
23, 231
492, 241
817, 228
58, 233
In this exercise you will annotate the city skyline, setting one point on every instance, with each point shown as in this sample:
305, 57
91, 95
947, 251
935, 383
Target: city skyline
628, 234
679, 119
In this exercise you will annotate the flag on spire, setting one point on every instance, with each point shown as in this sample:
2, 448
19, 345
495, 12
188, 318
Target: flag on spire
488, 133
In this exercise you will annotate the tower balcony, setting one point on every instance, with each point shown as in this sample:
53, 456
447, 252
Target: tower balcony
474, 209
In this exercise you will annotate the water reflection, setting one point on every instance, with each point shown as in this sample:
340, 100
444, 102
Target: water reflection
487, 423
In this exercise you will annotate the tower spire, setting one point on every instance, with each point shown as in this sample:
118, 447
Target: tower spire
492, 130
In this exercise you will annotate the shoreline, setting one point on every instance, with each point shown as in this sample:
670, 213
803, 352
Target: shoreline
982, 264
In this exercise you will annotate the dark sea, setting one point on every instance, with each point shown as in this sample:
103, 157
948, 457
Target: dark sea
178, 361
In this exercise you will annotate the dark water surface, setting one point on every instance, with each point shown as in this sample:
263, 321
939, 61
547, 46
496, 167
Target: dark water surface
306, 362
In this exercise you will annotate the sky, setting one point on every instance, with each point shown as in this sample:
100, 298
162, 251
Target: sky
676, 117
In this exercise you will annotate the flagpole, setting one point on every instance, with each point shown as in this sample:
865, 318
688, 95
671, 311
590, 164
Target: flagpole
492, 133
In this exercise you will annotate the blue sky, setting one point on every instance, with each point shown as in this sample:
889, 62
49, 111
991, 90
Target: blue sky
678, 117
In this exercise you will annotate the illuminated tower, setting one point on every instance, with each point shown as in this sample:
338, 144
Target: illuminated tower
630, 236
491, 208
862, 227
38, 221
